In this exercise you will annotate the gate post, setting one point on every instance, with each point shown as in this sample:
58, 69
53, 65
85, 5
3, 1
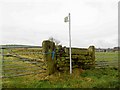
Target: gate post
48, 48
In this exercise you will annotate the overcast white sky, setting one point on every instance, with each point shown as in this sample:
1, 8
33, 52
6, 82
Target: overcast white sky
93, 22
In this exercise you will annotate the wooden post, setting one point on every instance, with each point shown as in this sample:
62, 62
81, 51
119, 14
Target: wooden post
49, 56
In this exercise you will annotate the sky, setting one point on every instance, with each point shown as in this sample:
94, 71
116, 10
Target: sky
29, 22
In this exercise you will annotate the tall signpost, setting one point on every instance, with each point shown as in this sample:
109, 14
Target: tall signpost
68, 19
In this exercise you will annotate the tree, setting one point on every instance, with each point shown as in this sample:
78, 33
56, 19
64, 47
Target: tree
57, 42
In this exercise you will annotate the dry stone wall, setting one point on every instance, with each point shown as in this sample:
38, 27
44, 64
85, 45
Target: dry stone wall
57, 57
81, 58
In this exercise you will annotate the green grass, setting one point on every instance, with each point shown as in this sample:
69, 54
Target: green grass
106, 56
103, 78
111, 58
94, 78
28, 81
20, 82
97, 78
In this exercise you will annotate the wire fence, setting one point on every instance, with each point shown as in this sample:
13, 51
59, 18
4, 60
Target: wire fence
21, 61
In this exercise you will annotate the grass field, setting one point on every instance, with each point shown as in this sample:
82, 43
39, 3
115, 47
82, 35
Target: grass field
106, 56
94, 78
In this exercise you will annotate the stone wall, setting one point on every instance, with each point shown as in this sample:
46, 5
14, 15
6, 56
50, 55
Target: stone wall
81, 57
57, 57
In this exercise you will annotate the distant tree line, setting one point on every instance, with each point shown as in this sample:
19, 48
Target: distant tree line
114, 49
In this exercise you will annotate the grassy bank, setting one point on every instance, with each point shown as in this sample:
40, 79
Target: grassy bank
97, 78
94, 78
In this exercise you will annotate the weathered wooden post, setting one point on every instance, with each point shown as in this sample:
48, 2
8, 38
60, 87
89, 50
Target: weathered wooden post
49, 56
91, 50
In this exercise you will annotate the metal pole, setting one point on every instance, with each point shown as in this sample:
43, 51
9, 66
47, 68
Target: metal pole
70, 43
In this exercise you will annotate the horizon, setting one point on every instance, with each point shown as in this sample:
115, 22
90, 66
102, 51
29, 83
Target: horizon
62, 46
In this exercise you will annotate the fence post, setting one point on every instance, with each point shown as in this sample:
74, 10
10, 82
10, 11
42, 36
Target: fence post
91, 50
49, 57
